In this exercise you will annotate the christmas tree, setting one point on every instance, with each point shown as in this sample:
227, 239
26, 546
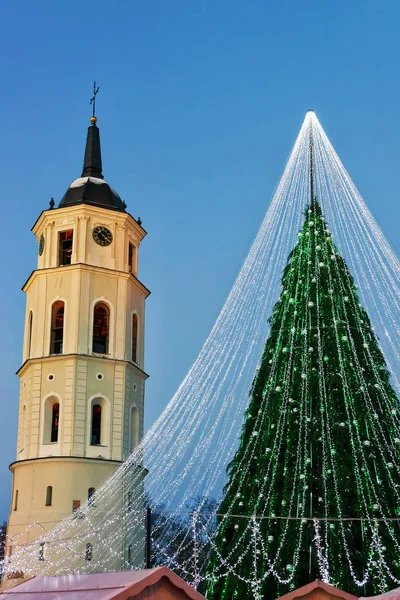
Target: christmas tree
313, 489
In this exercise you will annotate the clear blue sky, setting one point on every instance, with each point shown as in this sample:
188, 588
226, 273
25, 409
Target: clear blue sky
199, 105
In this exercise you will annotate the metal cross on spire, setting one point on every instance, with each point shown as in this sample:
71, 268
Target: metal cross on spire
93, 99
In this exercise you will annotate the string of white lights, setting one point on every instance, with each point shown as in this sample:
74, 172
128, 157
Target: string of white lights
181, 462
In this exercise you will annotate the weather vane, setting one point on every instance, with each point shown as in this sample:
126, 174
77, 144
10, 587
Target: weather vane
93, 100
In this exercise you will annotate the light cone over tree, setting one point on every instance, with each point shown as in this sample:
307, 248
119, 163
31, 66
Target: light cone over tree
317, 459
312, 487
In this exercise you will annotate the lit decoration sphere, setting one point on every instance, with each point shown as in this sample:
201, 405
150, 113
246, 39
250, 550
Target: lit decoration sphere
289, 567
295, 410
333, 451
313, 280
224, 539
304, 332
284, 350
376, 507
311, 349
320, 499
396, 440
278, 388
333, 257
307, 233
365, 345
285, 292
331, 525
240, 503
308, 420
376, 385
303, 376
342, 424
293, 330
311, 223
283, 502
346, 298
326, 359
270, 362
321, 264
237, 495
236, 526
344, 338
267, 450
302, 476
255, 433
311, 304
328, 239
318, 247
270, 538
393, 411
308, 460
304, 521
309, 211
291, 301
390, 465
272, 426
329, 471
367, 443
330, 290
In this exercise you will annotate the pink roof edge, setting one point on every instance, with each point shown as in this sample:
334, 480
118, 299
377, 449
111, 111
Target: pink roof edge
306, 589
118, 590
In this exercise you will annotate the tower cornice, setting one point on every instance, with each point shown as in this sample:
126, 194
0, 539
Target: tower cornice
93, 357
84, 266
54, 214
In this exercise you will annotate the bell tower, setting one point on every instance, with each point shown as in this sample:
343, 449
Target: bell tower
82, 378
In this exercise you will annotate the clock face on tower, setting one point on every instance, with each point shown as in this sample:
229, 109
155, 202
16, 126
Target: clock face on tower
102, 235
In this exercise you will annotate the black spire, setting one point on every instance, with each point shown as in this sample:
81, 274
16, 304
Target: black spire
92, 166
90, 190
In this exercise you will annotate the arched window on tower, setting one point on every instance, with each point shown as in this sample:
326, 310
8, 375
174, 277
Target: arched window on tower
134, 337
96, 424
55, 421
57, 328
51, 420
30, 323
49, 495
101, 324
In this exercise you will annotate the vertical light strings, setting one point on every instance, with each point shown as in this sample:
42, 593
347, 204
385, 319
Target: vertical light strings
184, 455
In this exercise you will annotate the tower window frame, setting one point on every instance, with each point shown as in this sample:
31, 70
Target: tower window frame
30, 328
95, 433
65, 247
16, 500
132, 258
51, 415
101, 328
57, 327
55, 422
49, 495
134, 344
